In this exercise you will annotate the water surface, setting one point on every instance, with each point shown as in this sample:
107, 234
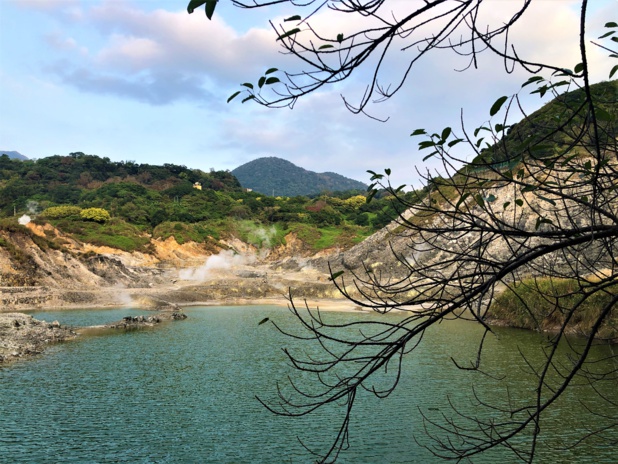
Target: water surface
185, 392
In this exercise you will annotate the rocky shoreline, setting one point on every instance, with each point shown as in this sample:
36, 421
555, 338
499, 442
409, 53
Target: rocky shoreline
22, 336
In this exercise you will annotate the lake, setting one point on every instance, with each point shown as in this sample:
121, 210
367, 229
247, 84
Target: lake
185, 392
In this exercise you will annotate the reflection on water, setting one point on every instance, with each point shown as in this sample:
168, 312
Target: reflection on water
185, 392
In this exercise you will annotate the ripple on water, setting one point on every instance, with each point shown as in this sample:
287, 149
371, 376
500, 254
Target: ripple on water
185, 392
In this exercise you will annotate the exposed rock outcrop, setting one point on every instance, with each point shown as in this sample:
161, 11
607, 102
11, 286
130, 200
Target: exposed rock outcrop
22, 335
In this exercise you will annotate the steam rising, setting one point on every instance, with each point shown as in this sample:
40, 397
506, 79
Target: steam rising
265, 235
33, 207
33, 210
215, 264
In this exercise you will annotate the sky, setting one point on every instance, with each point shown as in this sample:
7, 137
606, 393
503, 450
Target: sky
142, 80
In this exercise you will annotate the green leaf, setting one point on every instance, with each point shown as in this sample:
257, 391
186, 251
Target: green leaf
430, 155
371, 195
270, 71
387, 171
233, 96
506, 205
418, 132
335, 275
560, 83
584, 199
263, 321
261, 82
479, 200
446, 132
323, 47
462, 199
293, 18
193, 4
339, 38
519, 202
490, 198
541, 91
210, 8
400, 188
497, 105
613, 71
532, 80
246, 99
426, 144
479, 129
562, 72
272, 80
452, 143
611, 24
248, 85
288, 33
538, 223
548, 200
579, 67
541, 220
607, 34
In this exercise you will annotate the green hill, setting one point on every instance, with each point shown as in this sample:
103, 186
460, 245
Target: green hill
277, 176
125, 204
536, 135
13, 155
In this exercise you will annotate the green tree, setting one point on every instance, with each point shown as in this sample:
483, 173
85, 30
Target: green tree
540, 203
58, 212
95, 214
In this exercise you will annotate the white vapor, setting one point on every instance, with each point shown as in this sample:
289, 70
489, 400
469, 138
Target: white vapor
224, 261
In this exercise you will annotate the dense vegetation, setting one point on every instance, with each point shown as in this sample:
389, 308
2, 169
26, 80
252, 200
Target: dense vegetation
553, 127
276, 176
543, 304
122, 204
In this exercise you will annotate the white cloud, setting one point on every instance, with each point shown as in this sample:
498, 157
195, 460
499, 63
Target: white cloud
134, 46
135, 52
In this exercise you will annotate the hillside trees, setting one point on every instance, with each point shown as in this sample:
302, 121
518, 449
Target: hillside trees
536, 208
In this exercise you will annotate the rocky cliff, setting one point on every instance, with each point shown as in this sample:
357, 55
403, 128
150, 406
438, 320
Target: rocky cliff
41, 267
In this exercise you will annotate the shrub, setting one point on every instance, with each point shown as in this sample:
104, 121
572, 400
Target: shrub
57, 212
544, 303
99, 215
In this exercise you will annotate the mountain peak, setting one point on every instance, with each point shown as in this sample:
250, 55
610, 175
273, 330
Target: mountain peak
276, 176
13, 155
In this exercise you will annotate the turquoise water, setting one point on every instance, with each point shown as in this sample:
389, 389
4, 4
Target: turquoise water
185, 392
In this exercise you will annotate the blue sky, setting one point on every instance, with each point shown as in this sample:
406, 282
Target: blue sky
145, 81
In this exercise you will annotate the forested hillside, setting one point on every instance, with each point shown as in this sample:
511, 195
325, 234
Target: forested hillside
536, 136
276, 176
126, 204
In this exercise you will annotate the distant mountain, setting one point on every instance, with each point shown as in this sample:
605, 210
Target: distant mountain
277, 176
13, 154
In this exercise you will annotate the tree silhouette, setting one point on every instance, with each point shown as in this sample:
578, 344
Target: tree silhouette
532, 221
